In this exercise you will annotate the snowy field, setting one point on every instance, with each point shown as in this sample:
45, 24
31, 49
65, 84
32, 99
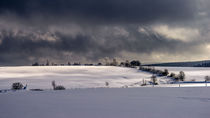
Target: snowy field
71, 76
108, 103
192, 73
88, 97
90, 76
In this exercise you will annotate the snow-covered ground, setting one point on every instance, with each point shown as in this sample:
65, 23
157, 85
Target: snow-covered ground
71, 76
88, 97
107, 103
90, 76
192, 73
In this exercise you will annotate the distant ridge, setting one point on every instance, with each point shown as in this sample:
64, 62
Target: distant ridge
205, 63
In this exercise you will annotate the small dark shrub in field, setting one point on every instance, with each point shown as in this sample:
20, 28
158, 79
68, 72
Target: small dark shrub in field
154, 80
143, 83
107, 84
207, 78
59, 88
36, 89
17, 86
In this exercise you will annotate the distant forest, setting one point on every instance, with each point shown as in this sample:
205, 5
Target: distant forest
205, 63
127, 63
113, 62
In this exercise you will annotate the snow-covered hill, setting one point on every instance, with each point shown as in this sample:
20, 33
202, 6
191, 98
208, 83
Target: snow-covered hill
92, 100
90, 76
192, 73
71, 76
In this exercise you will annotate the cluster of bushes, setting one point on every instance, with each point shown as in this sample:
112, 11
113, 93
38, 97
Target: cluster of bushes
155, 71
133, 63
179, 77
19, 86
127, 63
57, 87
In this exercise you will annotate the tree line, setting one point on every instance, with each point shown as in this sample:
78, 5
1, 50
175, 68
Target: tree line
165, 72
114, 62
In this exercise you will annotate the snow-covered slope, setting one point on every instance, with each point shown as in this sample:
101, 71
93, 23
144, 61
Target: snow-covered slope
71, 76
108, 103
90, 76
84, 97
196, 73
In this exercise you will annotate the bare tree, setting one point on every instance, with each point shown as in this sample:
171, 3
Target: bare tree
47, 63
154, 80
114, 63
207, 79
53, 84
181, 76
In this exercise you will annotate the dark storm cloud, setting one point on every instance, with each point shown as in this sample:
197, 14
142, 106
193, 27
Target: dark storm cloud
103, 10
19, 48
88, 30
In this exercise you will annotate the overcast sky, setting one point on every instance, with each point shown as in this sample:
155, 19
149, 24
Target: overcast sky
90, 30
